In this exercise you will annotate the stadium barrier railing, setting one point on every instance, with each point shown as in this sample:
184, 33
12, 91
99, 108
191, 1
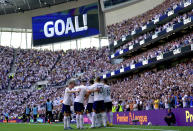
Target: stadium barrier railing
177, 53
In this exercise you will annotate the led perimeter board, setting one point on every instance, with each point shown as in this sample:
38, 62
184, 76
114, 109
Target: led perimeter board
66, 25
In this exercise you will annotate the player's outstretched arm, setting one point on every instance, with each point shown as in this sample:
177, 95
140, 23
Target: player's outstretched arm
94, 90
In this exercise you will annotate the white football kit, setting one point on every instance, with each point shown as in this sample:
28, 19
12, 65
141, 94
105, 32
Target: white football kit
107, 94
99, 95
67, 100
91, 96
80, 95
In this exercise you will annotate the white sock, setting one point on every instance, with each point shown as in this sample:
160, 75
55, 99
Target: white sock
77, 121
81, 121
65, 122
104, 118
101, 120
98, 120
89, 117
68, 121
111, 117
93, 119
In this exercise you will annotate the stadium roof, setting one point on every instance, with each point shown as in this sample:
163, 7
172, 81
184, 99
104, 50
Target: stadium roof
15, 6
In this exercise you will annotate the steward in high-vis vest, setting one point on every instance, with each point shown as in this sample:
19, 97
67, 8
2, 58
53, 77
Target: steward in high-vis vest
120, 108
114, 109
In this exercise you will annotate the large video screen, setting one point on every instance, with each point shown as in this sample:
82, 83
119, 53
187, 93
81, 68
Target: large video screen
66, 25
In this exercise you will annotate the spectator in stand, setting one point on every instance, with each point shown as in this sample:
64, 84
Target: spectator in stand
179, 104
135, 106
156, 103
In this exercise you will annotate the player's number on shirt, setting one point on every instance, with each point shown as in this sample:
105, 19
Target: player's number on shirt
108, 92
100, 90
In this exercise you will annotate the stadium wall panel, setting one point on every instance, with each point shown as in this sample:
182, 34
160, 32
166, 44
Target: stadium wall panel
156, 117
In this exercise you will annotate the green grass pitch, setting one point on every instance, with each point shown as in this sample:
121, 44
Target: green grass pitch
59, 127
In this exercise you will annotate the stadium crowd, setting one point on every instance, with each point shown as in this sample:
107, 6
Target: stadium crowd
174, 21
32, 66
59, 67
92, 60
161, 49
6, 59
76, 62
170, 87
118, 30
157, 89
90, 63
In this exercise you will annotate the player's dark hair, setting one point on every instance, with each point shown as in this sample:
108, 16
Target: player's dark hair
91, 81
48, 100
105, 81
98, 79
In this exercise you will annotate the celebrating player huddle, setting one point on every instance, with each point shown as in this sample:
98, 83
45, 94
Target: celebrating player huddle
99, 103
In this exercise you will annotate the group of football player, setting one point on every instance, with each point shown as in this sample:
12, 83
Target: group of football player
97, 95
